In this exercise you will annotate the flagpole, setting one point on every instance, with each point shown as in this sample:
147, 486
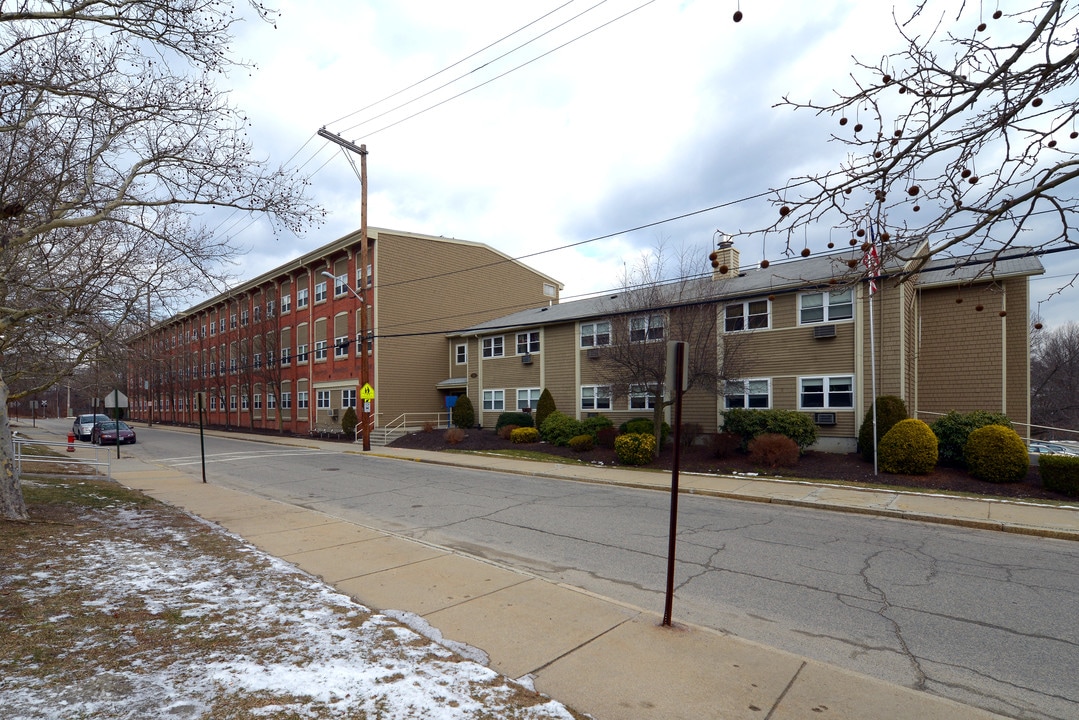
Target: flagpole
871, 264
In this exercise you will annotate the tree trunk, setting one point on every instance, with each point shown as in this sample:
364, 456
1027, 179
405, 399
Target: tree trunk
12, 505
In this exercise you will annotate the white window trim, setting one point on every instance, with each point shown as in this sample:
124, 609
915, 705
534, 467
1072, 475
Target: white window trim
340, 347
649, 327
528, 342
528, 392
641, 392
302, 297
826, 299
348, 399
595, 334
460, 354
320, 292
320, 350
286, 303
340, 284
599, 393
745, 315
322, 399
746, 393
497, 395
501, 349
303, 400
826, 381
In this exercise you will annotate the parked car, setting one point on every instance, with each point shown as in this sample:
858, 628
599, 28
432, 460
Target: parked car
84, 425
105, 433
1048, 448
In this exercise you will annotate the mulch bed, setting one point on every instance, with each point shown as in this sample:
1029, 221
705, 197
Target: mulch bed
813, 465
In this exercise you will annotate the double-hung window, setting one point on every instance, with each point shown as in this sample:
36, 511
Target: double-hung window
286, 400
528, 342
825, 306
271, 401
320, 291
322, 399
301, 298
461, 353
751, 393
642, 397
286, 356
527, 398
245, 402
595, 397
258, 401
348, 398
492, 347
286, 303
232, 321
213, 328
257, 313
320, 350
232, 402
301, 399
594, 334
340, 346
301, 353
835, 392
340, 284
751, 315
244, 314
646, 328
494, 399
213, 402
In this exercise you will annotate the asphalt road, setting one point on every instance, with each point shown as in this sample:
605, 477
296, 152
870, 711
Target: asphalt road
985, 618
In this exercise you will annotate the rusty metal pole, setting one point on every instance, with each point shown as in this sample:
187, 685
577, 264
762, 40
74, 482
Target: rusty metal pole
678, 357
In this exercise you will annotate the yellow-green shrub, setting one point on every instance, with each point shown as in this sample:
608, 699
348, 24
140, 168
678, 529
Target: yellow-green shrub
1060, 473
909, 448
635, 448
582, 443
997, 454
524, 435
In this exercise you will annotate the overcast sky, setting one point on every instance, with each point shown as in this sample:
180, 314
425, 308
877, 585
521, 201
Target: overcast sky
617, 114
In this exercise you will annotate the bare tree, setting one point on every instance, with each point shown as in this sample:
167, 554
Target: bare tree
966, 138
113, 143
666, 295
1054, 379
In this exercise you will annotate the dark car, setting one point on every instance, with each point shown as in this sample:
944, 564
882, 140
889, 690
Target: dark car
104, 433
84, 424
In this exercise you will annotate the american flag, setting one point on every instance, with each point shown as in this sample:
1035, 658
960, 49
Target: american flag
872, 263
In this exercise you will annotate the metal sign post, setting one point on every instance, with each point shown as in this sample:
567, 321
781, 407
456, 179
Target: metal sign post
677, 359
199, 397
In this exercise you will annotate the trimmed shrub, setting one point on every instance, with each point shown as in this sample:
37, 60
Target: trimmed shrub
544, 407
1060, 473
605, 436
505, 431
773, 450
725, 443
890, 410
635, 448
454, 435
464, 415
996, 454
645, 425
558, 428
953, 430
520, 419
524, 435
349, 420
749, 424
428, 426
909, 448
582, 443
593, 425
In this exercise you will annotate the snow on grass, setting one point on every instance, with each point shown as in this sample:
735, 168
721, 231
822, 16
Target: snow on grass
138, 612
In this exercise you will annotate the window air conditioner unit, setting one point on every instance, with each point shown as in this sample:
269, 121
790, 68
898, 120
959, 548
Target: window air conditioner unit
824, 331
824, 418
526, 359
593, 353
333, 414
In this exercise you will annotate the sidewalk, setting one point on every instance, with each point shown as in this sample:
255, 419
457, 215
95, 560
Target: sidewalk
597, 655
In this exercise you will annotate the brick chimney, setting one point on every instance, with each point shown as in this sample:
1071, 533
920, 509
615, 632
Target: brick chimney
725, 257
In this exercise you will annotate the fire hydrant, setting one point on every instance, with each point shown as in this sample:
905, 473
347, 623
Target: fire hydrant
71, 442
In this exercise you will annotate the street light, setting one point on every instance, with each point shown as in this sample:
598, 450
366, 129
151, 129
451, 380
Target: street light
365, 428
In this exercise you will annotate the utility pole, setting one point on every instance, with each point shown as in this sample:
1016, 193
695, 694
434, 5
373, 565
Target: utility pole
361, 150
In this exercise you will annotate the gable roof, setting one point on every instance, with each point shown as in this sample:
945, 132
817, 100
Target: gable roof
781, 277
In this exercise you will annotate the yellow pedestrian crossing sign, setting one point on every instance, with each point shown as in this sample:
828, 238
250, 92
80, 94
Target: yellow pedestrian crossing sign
367, 392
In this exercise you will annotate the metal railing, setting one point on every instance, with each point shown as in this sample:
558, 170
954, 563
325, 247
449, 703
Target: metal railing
21, 457
406, 422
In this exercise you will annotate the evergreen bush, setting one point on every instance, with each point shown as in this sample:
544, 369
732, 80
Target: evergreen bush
524, 435
520, 419
890, 410
953, 430
593, 425
773, 450
582, 443
635, 448
464, 415
544, 407
558, 428
645, 425
348, 421
909, 448
996, 454
749, 424
1060, 473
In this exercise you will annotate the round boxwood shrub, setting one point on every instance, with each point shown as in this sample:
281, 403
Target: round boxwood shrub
544, 407
909, 448
524, 435
635, 448
953, 430
558, 428
798, 426
582, 443
996, 454
520, 419
464, 415
1060, 473
890, 410
592, 426
645, 425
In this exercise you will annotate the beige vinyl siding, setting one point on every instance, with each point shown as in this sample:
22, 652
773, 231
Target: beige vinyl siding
424, 288
561, 359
